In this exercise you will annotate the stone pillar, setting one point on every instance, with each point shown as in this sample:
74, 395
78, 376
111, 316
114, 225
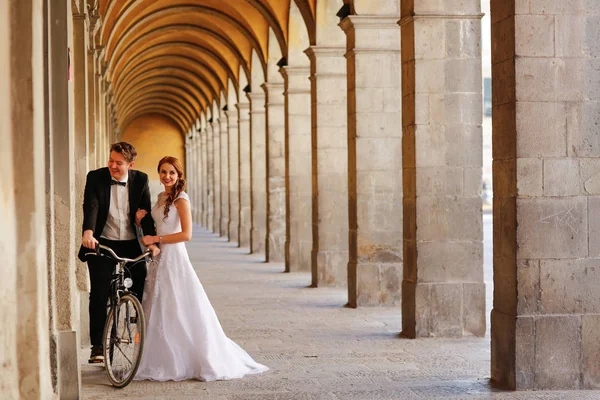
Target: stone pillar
101, 158
258, 142
443, 289
224, 146
216, 131
276, 211
82, 141
25, 97
234, 175
299, 179
189, 172
546, 102
89, 106
66, 171
196, 165
210, 176
329, 166
9, 379
204, 171
374, 159
245, 221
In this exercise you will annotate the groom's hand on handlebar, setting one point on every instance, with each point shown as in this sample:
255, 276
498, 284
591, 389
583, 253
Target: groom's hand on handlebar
88, 240
149, 240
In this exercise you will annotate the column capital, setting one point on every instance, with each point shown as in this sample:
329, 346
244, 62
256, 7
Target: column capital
296, 79
314, 52
257, 102
432, 15
269, 87
290, 71
373, 22
274, 93
243, 106
378, 34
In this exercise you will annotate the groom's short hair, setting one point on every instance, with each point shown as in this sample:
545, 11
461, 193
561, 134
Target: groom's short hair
126, 149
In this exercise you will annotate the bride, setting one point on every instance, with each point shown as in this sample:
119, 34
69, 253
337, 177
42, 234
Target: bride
184, 339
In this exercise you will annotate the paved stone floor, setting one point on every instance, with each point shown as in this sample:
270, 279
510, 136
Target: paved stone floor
316, 348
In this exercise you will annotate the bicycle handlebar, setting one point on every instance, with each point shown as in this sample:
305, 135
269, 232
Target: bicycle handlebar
99, 247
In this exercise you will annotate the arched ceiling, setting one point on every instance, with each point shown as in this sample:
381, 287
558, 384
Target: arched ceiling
176, 57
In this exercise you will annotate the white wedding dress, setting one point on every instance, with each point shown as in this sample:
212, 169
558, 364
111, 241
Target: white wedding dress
184, 339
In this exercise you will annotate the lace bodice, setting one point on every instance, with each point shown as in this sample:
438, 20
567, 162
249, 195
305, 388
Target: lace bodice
171, 224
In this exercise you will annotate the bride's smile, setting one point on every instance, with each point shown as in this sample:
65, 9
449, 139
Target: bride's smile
168, 175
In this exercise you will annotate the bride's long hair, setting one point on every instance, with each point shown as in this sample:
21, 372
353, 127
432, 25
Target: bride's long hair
177, 187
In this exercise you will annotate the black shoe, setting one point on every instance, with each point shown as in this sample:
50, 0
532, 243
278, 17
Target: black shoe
97, 355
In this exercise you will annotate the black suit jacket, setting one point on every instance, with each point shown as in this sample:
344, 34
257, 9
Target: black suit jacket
96, 202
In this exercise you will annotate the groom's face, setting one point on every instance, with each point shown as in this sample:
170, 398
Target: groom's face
118, 165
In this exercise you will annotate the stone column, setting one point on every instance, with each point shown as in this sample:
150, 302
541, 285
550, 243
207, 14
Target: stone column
546, 166
329, 166
9, 379
224, 147
245, 221
89, 106
66, 170
25, 97
276, 211
258, 141
443, 289
210, 176
100, 145
189, 171
196, 149
299, 179
374, 160
82, 140
204, 171
216, 131
234, 175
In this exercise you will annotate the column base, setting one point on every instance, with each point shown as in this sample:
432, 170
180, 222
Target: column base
225, 229
443, 309
244, 237
258, 244
330, 268
299, 256
68, 350
277, 247
374, 284
233, 231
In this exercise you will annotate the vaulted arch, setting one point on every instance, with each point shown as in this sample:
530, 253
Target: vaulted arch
199, 47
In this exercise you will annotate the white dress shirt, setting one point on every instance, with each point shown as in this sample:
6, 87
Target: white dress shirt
118, 223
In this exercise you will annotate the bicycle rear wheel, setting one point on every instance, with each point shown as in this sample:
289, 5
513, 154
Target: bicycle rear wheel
124, 340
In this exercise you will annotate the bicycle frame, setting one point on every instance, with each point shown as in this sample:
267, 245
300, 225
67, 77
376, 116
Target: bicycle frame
112, 339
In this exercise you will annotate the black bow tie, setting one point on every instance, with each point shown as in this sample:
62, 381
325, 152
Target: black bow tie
113, 182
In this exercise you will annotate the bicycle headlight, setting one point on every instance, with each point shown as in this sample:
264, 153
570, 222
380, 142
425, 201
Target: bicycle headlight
128, 282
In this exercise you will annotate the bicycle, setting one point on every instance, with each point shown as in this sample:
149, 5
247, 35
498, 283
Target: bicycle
124, 332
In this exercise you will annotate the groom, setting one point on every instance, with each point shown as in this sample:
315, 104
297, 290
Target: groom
112, 196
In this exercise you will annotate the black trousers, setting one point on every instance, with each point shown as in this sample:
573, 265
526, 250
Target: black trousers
101, 270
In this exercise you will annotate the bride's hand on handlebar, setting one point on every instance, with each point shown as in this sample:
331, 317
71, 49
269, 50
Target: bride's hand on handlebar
154, 249
139, 215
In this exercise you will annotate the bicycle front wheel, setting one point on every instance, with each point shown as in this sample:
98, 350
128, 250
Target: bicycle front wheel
124, 340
